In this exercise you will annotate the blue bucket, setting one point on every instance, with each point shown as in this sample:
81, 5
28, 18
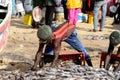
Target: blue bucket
80, 17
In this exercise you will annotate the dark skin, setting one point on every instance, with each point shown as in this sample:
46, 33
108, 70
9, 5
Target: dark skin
57, 47
38, 56
110, 51
56, 43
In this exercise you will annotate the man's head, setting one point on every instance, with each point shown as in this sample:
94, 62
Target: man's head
115, 38
44, 33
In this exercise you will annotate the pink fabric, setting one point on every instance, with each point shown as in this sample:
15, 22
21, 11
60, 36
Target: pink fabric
73, 15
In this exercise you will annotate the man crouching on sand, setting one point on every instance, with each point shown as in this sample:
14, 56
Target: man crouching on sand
114, 43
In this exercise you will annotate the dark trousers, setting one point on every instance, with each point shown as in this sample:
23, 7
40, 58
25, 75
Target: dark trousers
65, 9
49, 14
117, 16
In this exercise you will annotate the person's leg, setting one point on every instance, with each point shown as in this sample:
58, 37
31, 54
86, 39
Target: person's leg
75, 16
115, 19
118, 12
20, 14
65, 11
49, 15
99, 17
96, 9
38, 56
71, 15
74, 41
104, 10
95, 16
16, 14
107, 59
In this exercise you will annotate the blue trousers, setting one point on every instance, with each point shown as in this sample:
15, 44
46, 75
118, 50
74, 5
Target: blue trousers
75, 42
97, 6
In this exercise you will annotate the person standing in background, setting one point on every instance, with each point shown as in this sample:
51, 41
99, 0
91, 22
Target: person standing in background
103, 5
117, 13
65, 9
18, 13
99, 17
73, 7
50, 10
19, 8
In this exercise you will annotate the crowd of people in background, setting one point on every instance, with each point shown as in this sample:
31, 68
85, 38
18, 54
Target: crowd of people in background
86, 7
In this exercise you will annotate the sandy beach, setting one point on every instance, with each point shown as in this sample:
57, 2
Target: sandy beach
22, 43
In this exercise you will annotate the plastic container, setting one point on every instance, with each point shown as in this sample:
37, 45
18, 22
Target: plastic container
113, 10
80, 17
37, 14
59, 13
27, 19
90, 18
59, 16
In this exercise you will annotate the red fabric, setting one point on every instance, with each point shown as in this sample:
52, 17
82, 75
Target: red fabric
89, 3
63, 32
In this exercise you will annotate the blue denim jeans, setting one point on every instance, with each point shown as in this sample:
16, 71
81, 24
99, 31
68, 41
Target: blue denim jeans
97, 6
74, 41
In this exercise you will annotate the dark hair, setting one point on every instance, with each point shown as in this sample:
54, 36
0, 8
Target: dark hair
115, 38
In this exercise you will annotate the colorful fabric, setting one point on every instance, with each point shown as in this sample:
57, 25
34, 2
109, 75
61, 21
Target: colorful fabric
74, 4
73, 16
89, 3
